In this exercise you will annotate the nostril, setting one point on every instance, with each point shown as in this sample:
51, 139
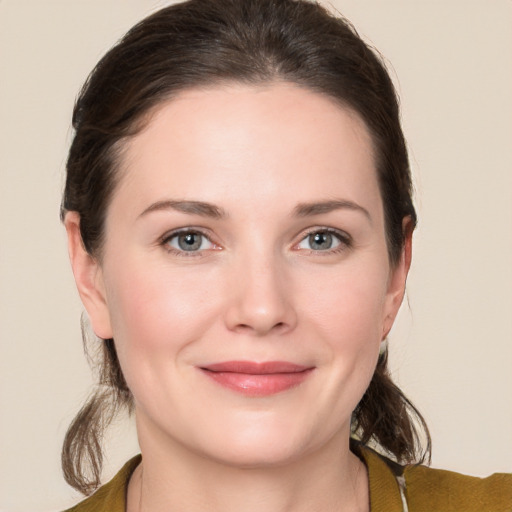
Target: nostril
260, 329
280, 327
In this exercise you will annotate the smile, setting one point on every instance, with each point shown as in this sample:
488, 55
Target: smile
257, 379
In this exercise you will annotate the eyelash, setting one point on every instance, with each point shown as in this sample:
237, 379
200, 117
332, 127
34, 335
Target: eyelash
344, 239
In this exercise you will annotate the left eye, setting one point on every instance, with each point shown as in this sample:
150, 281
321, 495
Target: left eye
320, 241
189, 241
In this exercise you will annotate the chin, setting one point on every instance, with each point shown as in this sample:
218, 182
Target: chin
256, 456
262, 445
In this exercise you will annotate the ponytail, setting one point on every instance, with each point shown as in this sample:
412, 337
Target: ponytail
82, 451
387, 420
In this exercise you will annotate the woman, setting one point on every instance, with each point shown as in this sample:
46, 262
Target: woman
239, 215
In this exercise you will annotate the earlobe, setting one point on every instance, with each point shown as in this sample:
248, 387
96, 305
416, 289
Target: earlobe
88, 278
398, 279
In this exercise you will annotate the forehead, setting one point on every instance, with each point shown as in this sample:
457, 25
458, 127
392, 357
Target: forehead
238, 142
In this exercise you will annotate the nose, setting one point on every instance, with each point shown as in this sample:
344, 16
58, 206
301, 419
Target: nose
260, 298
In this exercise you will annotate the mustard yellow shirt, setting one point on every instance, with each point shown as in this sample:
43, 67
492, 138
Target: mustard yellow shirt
418, 489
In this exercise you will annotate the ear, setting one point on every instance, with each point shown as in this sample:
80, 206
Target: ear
398, 279
88, 278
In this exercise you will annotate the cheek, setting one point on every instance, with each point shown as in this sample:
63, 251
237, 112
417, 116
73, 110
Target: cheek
348, 318
156, 313
350, 306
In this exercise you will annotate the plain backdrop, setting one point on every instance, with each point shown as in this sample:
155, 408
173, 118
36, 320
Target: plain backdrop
452, 348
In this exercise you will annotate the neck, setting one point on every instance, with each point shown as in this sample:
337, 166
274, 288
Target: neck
329, 479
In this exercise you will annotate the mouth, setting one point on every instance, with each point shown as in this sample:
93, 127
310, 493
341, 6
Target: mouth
257, 379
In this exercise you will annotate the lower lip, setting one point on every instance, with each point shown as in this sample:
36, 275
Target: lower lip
258, 384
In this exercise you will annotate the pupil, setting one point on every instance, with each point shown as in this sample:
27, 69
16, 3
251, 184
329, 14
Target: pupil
189, 242
321, 241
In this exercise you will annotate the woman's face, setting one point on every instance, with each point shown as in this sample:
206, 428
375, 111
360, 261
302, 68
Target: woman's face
245, 275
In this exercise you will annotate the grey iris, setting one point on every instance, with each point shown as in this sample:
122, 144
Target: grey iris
189, 241
320, 241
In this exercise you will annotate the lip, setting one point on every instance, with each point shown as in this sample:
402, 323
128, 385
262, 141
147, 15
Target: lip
257, 379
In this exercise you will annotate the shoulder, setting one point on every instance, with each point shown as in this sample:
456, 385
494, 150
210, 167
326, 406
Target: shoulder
428, 488
419, 488
110, 497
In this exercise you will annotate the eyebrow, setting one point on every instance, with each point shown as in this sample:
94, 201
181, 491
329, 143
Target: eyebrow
205, 209
318, 208
191, 207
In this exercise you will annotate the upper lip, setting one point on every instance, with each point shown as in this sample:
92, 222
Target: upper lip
255, 368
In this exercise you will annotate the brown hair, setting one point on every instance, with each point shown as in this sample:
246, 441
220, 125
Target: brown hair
204, 42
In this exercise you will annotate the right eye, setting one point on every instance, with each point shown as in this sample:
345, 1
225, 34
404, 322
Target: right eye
188, 241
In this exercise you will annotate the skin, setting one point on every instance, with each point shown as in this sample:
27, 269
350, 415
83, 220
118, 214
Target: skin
255, 290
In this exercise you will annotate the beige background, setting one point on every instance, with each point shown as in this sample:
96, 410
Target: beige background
452, 349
